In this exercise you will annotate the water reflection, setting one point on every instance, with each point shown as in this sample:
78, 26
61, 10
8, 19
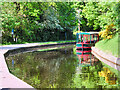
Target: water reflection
86, 59
59, 69
12, 63
110, 77
88, 69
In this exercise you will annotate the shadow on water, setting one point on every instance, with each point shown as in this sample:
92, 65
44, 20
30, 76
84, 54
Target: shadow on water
62, 68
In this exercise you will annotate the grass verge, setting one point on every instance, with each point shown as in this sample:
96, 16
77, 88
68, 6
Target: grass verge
42, 43
55, 48
55, 42
109, 46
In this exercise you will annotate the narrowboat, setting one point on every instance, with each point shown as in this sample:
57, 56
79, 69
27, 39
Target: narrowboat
85, 40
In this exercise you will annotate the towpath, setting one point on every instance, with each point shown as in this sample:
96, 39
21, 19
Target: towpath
7, 80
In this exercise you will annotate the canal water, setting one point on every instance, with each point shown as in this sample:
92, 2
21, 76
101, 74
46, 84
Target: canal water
62, 68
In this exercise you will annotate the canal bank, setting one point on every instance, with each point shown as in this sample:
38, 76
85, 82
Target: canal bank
7, 80
108, 59
108, 51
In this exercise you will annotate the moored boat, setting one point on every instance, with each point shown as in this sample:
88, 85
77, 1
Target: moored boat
86, 39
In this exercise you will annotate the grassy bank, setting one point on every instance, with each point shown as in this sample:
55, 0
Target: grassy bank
42, 43
109, 46
55, 48
55, 42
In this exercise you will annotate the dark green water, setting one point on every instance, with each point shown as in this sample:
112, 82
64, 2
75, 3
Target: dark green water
61, 69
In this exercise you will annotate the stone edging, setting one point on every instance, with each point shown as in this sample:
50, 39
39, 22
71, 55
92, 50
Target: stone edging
106, 58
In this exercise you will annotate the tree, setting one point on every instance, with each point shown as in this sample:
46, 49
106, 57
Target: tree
102, 14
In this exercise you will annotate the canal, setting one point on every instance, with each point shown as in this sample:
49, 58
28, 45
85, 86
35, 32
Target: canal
62, 68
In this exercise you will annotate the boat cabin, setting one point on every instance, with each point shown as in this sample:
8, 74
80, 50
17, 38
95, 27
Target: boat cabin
87, 37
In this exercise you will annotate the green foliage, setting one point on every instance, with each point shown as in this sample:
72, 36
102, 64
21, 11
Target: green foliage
99, 14
35, 21
66, 15
43, 21
107, 33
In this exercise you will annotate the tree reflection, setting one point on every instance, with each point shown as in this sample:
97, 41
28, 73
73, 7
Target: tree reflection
60, 69
110, 77
46, 69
